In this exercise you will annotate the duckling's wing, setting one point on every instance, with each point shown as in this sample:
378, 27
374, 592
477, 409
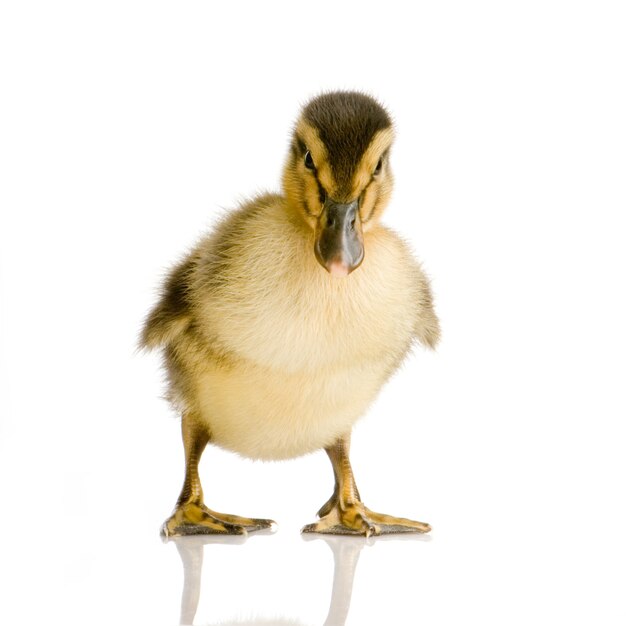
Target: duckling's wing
427, 330
171, 316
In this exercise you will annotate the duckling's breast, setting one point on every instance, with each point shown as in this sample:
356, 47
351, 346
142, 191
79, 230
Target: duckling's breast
311, 351
277, 307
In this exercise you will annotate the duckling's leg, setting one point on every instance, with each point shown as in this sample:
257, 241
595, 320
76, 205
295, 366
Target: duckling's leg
191, 516
345, 514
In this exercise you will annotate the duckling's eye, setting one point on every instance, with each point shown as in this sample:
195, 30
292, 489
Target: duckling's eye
379, 166
308, 161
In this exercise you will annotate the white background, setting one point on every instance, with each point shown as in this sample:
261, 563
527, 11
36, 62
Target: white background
127, 127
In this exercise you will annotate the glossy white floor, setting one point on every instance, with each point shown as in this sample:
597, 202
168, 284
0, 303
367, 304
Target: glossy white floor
524, 499
125, 125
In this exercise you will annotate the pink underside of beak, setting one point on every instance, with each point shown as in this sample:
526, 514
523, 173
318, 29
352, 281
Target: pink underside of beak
338, 270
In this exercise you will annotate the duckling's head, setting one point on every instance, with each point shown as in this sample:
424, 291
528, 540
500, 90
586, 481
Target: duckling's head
337, 177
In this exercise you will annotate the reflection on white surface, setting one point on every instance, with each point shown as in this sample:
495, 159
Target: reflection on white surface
346, 551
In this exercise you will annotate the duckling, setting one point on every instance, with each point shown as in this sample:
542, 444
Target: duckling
281, 326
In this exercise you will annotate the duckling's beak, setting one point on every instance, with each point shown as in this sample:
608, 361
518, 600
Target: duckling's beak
339, 237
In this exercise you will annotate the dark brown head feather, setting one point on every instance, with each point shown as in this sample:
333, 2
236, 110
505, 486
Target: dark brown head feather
346, 122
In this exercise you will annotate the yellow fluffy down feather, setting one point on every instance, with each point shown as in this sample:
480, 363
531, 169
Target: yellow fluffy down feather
275, 355
263, 342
